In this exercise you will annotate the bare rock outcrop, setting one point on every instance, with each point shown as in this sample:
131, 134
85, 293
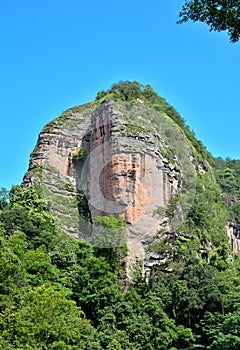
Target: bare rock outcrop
233, 232
119, 159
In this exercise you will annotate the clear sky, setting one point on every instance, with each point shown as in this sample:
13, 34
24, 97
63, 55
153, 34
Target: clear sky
58, 53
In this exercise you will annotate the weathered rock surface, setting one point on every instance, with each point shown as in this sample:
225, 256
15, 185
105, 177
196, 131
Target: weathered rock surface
233, 232
126, 167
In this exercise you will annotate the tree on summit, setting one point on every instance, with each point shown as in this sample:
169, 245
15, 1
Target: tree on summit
220, 15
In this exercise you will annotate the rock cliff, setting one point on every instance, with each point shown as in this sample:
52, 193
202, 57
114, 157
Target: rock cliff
114, 158
129, 154
233, 232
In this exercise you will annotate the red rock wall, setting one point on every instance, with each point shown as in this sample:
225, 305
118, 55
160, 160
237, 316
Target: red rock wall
233, 239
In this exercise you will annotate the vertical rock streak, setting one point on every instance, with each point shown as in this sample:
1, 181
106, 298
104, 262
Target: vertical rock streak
125, 170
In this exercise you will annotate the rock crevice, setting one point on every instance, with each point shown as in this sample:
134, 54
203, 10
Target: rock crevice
125, 169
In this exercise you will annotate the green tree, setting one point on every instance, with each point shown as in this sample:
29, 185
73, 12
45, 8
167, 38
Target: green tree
221, 332
111, 233
220, 15
94, 285
110, 239
4, 197
121, 341
38, 267
11, 273
47, 319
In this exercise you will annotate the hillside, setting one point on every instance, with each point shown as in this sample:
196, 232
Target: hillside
123, 234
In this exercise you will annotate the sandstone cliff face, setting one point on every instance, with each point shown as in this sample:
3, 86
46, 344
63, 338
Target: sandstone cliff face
114, 159
233, 232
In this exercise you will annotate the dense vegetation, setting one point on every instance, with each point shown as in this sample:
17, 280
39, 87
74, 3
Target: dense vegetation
57, 292
132, 92
228, 176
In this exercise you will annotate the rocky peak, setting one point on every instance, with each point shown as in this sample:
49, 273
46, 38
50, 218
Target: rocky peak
124, 159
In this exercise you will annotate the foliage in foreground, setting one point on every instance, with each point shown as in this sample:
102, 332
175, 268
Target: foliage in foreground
220, 15
59, 293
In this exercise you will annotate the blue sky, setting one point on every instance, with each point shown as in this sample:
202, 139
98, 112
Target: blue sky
58, 53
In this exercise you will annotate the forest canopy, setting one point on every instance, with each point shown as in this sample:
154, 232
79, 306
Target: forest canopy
57, 292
